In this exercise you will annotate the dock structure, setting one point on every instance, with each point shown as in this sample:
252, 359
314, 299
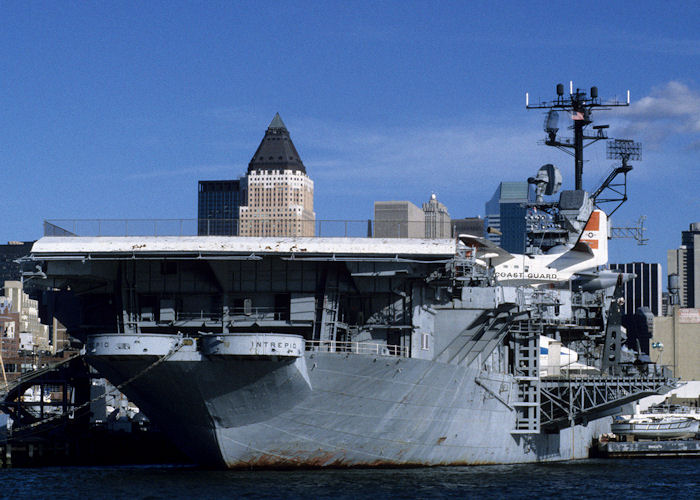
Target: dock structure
649, 449
57, 390
57, 427
43, 422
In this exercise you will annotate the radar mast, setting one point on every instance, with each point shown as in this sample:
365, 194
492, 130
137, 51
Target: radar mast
579, 106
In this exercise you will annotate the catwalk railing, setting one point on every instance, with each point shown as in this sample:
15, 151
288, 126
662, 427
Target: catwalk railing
357, 348
279, 227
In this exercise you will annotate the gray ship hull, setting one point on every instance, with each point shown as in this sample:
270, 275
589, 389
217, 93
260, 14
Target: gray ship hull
336, 409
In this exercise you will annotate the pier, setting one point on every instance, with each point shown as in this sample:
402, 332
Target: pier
648, 449
61, 430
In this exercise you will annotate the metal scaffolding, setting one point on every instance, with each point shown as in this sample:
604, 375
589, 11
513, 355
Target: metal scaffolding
579, 399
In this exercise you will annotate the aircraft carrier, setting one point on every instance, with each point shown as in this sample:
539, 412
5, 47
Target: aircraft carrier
299, 352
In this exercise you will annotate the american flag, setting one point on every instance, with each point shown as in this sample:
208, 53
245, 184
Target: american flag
577, 115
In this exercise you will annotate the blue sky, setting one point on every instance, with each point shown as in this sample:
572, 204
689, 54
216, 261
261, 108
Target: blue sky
117, 109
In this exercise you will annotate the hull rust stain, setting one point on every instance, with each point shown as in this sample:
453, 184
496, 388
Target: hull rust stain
296, 459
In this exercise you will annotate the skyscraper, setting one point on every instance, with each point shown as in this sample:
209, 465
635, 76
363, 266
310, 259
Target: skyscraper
280, 196
643, 291
685, 262
275, 198
437, 219
217, 207
506, 212
642, 301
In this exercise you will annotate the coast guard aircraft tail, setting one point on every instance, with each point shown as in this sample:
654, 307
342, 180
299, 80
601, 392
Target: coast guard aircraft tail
595, 235
556, 266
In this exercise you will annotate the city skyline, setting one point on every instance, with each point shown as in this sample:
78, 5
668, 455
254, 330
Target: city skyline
112, 112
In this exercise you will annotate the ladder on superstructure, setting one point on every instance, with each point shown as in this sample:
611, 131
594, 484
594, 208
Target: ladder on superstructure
329, 309
525, 342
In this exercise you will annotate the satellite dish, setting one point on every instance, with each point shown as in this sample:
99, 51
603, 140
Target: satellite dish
547, 181
551, 122
554, 178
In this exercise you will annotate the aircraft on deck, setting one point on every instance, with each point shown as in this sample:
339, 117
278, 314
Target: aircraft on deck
559, 265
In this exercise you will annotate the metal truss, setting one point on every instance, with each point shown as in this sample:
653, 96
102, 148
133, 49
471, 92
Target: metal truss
577, 400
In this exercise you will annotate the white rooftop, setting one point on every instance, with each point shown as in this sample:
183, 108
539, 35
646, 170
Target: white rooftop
71, 245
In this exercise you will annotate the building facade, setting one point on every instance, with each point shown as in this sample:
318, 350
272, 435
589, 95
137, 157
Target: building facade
218, 203
646, 290
685, 263
506, 214
280, 203
9, 269
25, 342
437, 219
9, 345
677, 338
403, 219
643, 301
27, 309
398, 219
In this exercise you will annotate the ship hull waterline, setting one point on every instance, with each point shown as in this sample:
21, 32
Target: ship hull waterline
331, 409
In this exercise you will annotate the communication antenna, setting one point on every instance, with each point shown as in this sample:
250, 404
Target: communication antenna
625, 150
635, 232
579, 106
616, 190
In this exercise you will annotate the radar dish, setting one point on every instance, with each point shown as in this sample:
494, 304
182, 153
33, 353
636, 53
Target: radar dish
550, 178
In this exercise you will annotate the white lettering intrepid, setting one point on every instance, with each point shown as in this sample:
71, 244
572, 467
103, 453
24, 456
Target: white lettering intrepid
272, 345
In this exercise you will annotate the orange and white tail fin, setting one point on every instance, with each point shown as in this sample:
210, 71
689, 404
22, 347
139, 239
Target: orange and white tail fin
595, 235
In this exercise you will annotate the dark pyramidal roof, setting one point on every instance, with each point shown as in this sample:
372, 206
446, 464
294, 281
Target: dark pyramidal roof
276, 150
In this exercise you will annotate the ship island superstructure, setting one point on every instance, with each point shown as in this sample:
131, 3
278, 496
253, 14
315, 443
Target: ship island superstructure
350, 351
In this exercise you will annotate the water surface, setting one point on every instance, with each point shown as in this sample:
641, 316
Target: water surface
604, 478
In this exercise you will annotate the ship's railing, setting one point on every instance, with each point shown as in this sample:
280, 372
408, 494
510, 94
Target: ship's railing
579, 370
357, 348
676, 409
252, 313
275, 227
653, 426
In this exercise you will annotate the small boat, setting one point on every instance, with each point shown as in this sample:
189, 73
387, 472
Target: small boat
650, 427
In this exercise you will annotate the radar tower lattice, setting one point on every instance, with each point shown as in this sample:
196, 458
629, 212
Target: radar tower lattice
580, 106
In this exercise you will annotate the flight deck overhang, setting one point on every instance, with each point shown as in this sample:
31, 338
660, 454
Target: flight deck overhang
239, 247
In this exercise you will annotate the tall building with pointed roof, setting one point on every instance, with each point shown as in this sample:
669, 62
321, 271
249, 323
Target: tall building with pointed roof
276, 150
280, 196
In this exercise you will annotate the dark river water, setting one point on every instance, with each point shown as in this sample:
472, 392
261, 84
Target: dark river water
611, 478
